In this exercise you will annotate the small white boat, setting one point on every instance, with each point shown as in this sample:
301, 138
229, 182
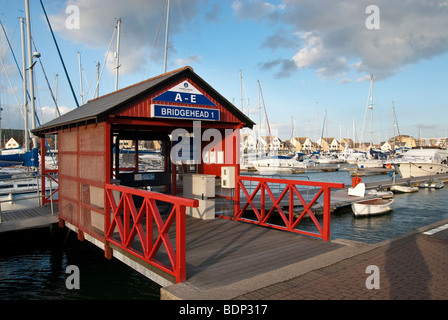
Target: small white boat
403, 189
372, 207
380, 193
433, 184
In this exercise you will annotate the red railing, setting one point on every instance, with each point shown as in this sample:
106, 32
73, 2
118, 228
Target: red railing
125, 222
290, 220
54, 186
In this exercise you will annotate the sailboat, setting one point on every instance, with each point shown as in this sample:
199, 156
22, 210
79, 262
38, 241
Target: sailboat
18, 164
273, 163
373, 161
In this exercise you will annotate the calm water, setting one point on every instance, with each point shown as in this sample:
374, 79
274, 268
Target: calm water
38, 272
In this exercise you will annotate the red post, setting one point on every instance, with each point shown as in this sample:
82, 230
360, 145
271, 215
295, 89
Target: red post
42, 170
181, 270
291, 206
237, 195
327, 203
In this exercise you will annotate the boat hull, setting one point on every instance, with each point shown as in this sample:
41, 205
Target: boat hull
432, 185
415, 169
372, 207
280, 165
403, 189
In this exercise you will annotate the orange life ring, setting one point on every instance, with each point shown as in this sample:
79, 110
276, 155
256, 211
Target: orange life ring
356, 181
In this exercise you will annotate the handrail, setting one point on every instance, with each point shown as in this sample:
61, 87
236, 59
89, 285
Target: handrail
129, 221
262, 213
39, 194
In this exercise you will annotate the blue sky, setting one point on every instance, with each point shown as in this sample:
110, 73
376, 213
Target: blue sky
311, 58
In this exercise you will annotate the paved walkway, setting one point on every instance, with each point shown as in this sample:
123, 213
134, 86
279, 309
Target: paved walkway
410, 267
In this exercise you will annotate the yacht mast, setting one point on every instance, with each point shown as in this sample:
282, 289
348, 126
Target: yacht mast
25, 92
393, 117
166, 35
371, 111
117, 54
81, 93
30, 68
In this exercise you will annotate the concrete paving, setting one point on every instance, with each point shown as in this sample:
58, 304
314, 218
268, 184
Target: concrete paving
413, 266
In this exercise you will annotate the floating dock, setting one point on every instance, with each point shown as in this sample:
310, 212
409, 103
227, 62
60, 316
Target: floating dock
37, 217
226, 259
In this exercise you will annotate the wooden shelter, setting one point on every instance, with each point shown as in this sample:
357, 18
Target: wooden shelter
177, 109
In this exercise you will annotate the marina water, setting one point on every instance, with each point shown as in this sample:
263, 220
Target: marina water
38, 271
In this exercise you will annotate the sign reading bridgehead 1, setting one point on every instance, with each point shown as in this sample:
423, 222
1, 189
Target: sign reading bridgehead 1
186, 93
187, 113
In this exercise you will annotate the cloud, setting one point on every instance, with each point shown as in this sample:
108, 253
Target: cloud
188, 61
141, 20
47, 113
286, 67
253, 9
333, 34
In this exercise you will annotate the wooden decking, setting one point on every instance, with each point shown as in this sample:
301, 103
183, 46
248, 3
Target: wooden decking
27, 218
220, 252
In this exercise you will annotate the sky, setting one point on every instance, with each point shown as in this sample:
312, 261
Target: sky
311, 60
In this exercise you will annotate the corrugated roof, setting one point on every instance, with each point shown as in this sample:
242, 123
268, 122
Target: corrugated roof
97, 109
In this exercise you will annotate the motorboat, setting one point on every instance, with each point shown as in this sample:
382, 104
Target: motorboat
403, 189
278, 164
433, 184
371, 163
379, 192
371, 207
422, 162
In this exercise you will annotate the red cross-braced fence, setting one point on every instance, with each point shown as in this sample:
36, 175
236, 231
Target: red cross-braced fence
144, 223
285, 204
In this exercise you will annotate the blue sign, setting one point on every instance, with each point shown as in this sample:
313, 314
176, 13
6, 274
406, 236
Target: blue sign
184, 93
190, 113
181, 97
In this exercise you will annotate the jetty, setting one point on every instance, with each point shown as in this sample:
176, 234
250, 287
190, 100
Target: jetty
166, 223
226, 259
29, 218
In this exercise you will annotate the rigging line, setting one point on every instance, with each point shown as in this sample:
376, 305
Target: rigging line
9, 80
104, 63
12, 51
183, 24
60, 55
156, 38
365, 113
89, 82
265, 113
48, 83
